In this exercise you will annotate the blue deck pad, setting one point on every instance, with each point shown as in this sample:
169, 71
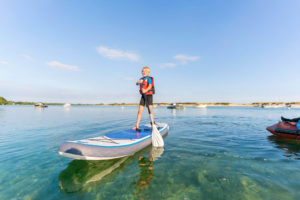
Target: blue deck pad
131, 134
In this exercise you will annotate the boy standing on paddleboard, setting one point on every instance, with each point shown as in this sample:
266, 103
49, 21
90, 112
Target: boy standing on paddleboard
146, 87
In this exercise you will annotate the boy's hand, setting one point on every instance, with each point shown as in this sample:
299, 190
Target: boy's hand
139, 82
144, 90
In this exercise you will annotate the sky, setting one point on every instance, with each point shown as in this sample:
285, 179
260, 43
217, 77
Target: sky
198, 51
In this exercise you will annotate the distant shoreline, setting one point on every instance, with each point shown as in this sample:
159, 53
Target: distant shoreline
187, 104
3, 101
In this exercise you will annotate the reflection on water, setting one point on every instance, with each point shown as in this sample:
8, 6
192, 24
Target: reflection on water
146, 174
157, 152
176, 111
291, 147
202, 111
1, 111
66, 108
83, 175
38, 108
80, 175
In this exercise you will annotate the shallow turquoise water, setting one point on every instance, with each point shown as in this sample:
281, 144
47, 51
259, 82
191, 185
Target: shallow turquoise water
212, 153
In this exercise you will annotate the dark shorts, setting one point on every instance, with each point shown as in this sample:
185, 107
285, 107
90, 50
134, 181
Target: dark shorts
149, 98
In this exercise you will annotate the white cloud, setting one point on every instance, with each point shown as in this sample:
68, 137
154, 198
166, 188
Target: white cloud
29, 58
116, 54
128, 79
183, 59
62, 66
3, 62
168, 65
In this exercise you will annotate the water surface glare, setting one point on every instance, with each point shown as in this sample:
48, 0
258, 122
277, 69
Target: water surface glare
210, 153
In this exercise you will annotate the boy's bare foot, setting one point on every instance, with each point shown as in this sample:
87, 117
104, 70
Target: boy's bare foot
135, 128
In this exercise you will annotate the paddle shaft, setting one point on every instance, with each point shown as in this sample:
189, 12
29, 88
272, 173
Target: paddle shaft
157, 140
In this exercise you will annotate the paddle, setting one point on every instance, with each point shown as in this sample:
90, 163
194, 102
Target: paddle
157, 140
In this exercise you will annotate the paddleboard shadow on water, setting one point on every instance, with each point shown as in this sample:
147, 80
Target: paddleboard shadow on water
83, 175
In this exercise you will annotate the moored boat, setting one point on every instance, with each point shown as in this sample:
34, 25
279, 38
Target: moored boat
175, 106
41, 105
285, 129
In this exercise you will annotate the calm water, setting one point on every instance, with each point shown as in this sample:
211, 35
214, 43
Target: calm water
212, 153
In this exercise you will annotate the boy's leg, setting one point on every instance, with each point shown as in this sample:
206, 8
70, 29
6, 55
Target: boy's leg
140, 112
139, 116
150, 101
296, 119
290, 120
150, 108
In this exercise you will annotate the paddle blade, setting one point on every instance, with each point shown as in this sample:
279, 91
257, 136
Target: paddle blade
157, 140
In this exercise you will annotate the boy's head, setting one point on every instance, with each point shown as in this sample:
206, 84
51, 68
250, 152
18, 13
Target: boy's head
146, 71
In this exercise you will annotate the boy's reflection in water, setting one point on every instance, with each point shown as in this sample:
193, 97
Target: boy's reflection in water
146, 173
146, 167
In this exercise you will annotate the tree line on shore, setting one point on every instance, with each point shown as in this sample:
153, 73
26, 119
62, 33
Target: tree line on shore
3, 101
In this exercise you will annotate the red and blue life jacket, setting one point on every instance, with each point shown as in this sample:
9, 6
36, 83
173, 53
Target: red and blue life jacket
145, 85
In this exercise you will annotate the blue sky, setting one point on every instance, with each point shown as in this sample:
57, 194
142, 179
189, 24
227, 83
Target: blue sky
198, 51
